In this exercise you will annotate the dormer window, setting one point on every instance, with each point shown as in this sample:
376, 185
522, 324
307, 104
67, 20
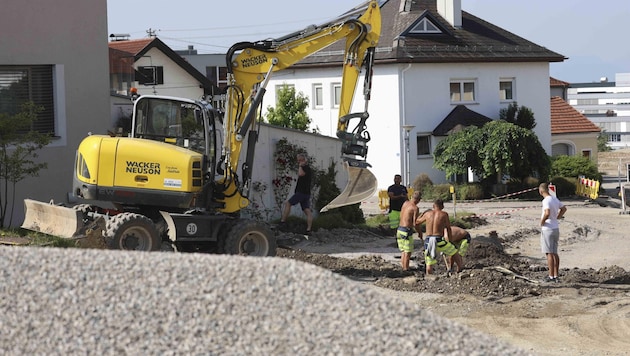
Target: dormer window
425, 26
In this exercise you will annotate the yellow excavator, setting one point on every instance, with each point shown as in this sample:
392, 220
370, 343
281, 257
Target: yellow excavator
174, 183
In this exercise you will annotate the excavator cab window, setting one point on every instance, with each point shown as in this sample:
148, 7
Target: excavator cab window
181, 123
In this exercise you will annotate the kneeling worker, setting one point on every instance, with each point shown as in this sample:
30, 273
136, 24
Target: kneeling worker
460, 238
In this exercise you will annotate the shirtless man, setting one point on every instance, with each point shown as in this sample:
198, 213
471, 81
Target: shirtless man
460, 238
437, 222
404, 234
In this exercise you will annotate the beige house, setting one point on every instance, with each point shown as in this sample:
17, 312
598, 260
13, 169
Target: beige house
571, 132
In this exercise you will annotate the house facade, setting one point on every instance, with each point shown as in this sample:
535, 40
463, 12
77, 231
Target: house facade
607, 104
571, 132
53, 51
432, 56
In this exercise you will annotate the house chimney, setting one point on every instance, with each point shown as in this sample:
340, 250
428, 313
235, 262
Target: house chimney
451, 11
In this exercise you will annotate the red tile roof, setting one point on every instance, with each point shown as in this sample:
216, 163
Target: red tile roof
565, 119
131, 46
558, 83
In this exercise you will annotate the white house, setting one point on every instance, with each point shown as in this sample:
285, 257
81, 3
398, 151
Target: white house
431, 57
62, 57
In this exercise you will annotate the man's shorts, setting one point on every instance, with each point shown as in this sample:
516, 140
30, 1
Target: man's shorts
441, 245
549, 240
303, 199
462, 245
394, 219
404, 237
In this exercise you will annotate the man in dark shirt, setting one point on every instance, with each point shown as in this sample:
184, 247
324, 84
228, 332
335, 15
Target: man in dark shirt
397, 197
302, 193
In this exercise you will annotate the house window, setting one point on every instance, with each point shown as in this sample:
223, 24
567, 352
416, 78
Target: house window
21, 84
423, 144
336, 92
614, 138
462, 91
506, 89
217, 75
318, 96
586, 154
150, 75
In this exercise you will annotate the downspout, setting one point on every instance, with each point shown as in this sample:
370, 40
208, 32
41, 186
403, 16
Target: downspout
404, 120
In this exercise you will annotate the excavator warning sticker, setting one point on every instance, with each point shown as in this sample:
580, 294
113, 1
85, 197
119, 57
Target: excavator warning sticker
172, 183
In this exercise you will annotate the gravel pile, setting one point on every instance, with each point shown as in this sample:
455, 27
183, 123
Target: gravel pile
80, 301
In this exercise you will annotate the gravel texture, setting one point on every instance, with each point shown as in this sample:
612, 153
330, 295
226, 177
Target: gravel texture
101, 302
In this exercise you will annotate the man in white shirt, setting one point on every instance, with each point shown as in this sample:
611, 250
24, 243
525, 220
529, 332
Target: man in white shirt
552, 210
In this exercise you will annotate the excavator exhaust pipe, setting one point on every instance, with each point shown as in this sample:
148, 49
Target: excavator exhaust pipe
51, 219
361, 185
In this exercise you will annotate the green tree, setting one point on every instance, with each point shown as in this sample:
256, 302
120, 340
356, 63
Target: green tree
521, 116
290, 111
496, 149
602, 142
19, 145
459, 151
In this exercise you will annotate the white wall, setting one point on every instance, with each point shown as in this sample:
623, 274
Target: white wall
53, 34
384, 149
322, 150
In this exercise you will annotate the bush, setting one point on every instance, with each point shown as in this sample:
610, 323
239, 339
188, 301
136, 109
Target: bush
439, 191
517, 185
574, 166
331, 220
421, 181
470, 191
565, 186
328, 191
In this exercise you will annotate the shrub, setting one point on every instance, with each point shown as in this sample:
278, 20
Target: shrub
432, 192
421, 181
470, 191
565, 186
331, 220
574, 166
329, 191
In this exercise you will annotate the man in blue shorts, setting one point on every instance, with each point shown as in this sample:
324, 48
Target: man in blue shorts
302, 193
437, 221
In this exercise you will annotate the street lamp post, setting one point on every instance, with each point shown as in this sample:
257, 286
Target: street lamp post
407, 129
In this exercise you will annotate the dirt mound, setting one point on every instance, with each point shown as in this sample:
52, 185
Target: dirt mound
489, 272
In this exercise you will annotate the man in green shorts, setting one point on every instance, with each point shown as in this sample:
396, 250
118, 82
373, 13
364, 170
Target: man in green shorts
404, 233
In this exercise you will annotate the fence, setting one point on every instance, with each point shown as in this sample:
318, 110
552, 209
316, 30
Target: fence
587, 188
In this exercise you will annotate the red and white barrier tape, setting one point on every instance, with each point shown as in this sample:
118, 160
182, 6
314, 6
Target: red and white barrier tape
506, 211
499, 197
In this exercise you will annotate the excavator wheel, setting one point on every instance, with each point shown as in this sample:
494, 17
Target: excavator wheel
130, 231
250, 238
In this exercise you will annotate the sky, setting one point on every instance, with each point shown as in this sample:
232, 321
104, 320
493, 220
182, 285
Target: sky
591, 34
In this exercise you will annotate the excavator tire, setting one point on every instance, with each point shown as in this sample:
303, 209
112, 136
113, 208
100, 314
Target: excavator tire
250, 238
130, 231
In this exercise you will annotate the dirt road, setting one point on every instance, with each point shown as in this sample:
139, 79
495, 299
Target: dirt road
499, 292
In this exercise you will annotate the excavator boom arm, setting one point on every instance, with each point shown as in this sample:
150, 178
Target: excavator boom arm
251, 65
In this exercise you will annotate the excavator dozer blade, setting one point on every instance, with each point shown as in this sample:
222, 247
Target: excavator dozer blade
52, 219
361, 185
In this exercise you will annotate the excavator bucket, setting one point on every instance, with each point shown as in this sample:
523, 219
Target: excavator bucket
52, 219
361, 185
